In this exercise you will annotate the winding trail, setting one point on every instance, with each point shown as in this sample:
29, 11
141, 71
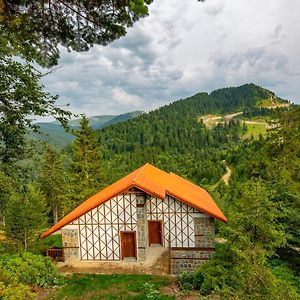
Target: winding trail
227, 175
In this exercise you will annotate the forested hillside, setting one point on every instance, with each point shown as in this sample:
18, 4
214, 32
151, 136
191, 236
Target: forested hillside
54, 134
175, 138
191, 137
260, 257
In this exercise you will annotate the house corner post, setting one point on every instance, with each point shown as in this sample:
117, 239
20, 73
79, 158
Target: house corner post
70, 240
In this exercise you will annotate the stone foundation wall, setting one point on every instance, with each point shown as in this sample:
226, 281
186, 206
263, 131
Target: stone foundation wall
188, 259
70, 244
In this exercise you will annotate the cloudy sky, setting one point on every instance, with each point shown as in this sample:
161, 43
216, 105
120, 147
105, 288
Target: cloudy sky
182, 48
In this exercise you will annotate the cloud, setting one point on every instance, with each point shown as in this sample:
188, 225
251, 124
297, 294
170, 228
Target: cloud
123, 98
213, 8
182, 48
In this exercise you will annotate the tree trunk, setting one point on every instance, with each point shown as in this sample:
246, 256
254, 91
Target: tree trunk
55, 214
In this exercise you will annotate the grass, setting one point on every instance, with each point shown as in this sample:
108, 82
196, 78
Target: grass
253, 130
262, 119
115, 286
52, 241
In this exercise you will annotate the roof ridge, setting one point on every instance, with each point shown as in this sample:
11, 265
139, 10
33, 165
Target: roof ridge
139, 172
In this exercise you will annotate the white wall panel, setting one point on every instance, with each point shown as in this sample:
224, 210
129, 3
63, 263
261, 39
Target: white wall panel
177, 219
99, 229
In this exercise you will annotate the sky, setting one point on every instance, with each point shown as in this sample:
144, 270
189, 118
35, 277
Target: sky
181, 48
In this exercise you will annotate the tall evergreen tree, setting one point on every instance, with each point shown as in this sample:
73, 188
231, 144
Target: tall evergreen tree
51, 181
25, 217
6, 189
86, 168
240, 269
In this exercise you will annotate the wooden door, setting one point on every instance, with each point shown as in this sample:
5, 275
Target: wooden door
155, 232
128, 244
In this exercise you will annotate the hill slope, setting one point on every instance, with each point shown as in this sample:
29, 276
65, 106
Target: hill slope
178, 124
175, 138
55, 135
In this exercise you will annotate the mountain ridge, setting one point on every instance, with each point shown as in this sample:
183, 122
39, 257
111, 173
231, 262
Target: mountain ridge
55, 134
221, 101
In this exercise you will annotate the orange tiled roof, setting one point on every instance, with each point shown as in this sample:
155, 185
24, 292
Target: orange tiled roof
153, 181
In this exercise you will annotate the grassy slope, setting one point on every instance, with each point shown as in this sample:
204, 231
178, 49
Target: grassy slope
253, 130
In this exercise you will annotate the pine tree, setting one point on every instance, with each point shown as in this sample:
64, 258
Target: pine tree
25, 216
86, 167
51, 181
240, 269
6, 189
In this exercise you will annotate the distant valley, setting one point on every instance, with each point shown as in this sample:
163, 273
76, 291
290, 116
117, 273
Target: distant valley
54, 134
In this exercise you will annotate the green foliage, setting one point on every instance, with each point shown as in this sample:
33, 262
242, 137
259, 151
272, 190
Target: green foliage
264, 112
188, 281
53, 241
255, 131
6, 189
250, 95
25, 216
175, 139
54, 134
254, 225
7, 247
86, 171
233, 278
17, 291
52, 183
34, 30
150, 291
29, 269
21, 98
114, 286
262, 205
277, 161
282, 271
41, 245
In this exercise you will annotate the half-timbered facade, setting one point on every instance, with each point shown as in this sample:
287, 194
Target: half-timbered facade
147, 208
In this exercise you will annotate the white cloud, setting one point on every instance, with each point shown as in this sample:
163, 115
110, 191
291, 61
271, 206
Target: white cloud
123, 98
184, 47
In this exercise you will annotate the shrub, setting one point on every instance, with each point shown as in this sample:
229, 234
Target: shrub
228, 278
7, 247
187, 281
16, 292
150, 291
34, 270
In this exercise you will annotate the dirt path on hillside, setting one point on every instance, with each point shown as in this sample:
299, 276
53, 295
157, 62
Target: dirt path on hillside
227, 175
256, 123
231, 116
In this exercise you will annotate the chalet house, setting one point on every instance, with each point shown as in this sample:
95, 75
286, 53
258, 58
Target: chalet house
147, 208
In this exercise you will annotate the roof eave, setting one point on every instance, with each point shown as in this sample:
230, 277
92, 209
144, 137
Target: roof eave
220, 217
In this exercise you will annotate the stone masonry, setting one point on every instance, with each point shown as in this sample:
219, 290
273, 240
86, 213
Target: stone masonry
70, 244
204, 232
188, 259
142, 228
